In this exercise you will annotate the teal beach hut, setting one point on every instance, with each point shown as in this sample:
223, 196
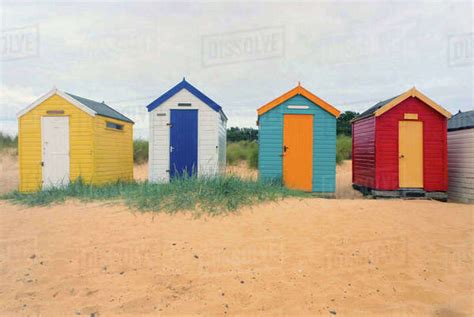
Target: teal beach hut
297, 141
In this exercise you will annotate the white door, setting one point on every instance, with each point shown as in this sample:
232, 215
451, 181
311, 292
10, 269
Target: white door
55, 145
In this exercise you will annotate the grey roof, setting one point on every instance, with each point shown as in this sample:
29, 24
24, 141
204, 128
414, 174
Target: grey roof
461, 120
101, 108
371, 110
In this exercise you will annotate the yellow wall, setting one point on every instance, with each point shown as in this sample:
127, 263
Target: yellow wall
113, 151
29, 142
97, 154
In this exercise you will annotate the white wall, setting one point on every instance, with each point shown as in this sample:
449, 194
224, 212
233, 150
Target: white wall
222, 144
461, 165
208, 145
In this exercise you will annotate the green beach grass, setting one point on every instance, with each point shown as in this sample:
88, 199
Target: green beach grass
140, 151
8, 142
212, 195
343, 148
243, 151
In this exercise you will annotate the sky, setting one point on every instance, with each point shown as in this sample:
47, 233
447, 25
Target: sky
242, 55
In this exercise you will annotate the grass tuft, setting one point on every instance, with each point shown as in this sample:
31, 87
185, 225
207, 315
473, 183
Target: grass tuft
140, 151
343, 148
243, 151
8, 142
212, 195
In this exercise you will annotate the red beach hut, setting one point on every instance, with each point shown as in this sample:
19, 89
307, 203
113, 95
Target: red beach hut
399, 148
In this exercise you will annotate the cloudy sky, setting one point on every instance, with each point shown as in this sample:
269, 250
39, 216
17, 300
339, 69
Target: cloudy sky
242, 55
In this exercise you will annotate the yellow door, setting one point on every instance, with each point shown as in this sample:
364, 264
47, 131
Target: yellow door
410, 154
298, 151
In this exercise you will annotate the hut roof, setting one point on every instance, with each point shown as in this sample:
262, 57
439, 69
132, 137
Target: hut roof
461, 120
383, 106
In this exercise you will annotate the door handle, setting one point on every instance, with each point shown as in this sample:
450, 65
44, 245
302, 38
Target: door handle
402, 156
171, 149
285, 148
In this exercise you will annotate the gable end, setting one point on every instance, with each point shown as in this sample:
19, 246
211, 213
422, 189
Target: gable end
62, 95
299, 90
193, 90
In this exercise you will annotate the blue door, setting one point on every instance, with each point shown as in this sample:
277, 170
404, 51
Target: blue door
183, 142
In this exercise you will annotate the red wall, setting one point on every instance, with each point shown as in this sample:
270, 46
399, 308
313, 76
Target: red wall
435, 167
363, 152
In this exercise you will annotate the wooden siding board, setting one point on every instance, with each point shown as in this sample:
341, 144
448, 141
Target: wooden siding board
363, 153
461, 165
270, 145
222, 143
324, 138
113, 151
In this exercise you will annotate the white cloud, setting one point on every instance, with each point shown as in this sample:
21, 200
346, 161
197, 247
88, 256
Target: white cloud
351, 54
16, 96
12, 100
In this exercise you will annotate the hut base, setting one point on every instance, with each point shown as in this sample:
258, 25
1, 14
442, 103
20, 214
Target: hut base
323, 195
406, 193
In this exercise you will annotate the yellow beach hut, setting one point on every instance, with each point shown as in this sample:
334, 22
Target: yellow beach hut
62, 137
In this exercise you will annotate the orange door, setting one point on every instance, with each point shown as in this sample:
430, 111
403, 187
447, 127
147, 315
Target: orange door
410, 154
298, 151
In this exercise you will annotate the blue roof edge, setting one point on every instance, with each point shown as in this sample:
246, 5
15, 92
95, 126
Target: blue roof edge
196, 92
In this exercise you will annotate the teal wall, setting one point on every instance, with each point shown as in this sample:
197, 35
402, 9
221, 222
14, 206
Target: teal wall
324, 147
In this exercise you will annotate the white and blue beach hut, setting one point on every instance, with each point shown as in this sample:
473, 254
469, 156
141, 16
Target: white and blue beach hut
187, 134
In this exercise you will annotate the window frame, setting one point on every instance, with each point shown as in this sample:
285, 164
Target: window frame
109, 125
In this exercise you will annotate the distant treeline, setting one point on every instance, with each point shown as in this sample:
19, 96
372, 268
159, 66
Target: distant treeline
236, 134
344, 125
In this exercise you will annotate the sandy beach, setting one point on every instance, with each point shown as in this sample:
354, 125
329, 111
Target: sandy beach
344, 257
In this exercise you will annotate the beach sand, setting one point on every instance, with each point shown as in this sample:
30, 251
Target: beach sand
312, 256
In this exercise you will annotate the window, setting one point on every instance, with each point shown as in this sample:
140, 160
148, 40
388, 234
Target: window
297, 107
55, 112
184, 104
114, 126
